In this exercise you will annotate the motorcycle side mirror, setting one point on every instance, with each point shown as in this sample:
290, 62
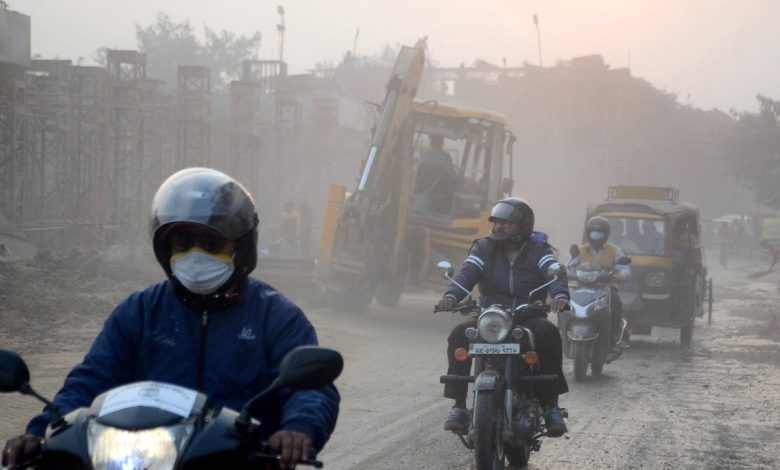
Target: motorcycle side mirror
15, 377
14, 373
308, 367
574, 251
624, 261
446, 268
556, 269
447, 271
303, 368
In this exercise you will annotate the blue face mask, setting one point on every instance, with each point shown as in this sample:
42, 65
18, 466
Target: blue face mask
596, 236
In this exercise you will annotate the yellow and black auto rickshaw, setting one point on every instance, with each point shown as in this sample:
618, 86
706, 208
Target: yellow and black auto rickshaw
668, 286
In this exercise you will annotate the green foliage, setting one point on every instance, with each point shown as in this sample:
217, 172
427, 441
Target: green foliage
169, 44
757, 148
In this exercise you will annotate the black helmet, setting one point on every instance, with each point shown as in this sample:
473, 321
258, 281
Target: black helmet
211, 199
514, 210
597, 225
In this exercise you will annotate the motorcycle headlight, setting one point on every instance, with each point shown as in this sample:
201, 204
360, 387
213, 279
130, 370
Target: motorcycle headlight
587, 277
493, 325
153, 449
655, 280
602, 302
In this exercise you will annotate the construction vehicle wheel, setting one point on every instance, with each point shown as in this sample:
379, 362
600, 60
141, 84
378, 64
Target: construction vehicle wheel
388, 294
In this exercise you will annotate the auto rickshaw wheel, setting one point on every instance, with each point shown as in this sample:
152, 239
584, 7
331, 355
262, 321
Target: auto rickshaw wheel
686, 333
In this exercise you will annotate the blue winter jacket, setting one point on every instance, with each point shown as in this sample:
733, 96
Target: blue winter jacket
229, 354
504, 282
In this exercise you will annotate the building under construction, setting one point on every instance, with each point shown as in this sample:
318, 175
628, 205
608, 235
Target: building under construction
84, 148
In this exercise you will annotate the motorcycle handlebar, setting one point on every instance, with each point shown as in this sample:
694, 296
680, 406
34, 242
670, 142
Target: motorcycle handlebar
538, 378
265, 455
464, 308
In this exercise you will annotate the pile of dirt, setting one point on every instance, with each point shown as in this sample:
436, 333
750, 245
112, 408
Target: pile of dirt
64, 291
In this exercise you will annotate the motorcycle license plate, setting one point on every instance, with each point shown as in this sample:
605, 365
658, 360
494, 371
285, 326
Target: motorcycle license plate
476, 349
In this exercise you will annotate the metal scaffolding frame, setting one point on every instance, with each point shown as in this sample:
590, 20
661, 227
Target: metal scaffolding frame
47, 152
83, 149
245, 133
193, 134
10, 151
124, 175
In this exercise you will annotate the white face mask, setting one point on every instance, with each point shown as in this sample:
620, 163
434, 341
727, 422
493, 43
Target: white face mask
201, 273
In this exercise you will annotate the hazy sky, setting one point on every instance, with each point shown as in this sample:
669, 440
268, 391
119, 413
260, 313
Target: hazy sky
720, 52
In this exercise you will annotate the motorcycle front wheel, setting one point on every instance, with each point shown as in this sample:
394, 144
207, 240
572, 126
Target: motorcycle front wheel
488, 450
518, 457
581, 360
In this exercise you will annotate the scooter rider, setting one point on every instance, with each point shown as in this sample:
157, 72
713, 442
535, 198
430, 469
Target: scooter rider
597, 251
209, 327
507, 265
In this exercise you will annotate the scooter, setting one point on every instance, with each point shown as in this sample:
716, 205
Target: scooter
586, 329
161, 426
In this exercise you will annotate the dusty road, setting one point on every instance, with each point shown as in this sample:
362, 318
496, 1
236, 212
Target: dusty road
716, 405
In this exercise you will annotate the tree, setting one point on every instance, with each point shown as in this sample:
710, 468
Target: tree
169, 44
757, 146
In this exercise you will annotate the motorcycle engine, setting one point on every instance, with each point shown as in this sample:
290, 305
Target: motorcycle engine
525, 417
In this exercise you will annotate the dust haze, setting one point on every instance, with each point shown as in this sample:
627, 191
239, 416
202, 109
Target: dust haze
101, 101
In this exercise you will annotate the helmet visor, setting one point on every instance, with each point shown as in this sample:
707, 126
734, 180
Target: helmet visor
505, 211
207, 198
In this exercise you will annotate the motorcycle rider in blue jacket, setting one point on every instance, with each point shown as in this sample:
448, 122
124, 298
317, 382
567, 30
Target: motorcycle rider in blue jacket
209, 327
507, 265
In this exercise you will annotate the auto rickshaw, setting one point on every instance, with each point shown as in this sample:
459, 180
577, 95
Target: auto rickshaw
668, 286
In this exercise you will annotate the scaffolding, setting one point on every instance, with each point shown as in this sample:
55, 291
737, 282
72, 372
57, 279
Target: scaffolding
193, 134
83, 149
245, 133
123, 182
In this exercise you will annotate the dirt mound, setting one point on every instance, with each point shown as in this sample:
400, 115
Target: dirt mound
64, 291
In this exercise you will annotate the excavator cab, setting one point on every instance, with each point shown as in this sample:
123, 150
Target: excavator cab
459, 163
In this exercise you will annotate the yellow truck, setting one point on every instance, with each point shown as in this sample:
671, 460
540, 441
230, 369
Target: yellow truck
431, 175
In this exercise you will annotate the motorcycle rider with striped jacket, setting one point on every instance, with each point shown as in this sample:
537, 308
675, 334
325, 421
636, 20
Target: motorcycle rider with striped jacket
507, 265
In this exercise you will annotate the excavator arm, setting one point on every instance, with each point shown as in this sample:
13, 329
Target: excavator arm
369, 236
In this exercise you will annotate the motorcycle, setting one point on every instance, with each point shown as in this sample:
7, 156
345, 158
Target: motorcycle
586, 329
506, 422
161, 426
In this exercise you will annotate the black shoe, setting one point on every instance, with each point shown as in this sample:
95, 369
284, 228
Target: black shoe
458, 420
553, 421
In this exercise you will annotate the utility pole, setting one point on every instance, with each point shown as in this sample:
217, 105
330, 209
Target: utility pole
538, 40
280, 28
354, 44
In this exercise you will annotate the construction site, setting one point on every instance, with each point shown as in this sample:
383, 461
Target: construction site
403, 162
83, 148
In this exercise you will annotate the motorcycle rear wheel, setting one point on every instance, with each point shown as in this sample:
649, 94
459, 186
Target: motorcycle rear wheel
488, 451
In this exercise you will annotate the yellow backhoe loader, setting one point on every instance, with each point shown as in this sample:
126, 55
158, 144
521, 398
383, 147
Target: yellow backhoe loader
432, 173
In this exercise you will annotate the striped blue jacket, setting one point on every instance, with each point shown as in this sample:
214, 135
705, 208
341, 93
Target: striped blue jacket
504, 282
